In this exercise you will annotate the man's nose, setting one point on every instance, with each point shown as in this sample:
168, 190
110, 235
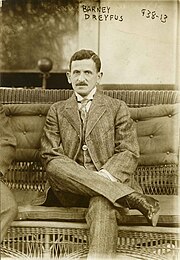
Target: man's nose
81, 77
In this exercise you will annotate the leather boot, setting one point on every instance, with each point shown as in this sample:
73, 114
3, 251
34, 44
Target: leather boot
148, 206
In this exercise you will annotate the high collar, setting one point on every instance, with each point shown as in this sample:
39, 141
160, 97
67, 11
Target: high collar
89, 96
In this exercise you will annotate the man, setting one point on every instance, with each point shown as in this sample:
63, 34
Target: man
90, 150
8, 210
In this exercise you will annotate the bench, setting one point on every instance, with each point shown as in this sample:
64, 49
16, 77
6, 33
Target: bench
52, 232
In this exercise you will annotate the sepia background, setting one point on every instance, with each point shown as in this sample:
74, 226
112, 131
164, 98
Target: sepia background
138, 41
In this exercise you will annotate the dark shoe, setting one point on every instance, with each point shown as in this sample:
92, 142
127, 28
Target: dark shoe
148, 206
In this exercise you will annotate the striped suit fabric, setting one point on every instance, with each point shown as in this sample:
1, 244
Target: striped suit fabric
112, 145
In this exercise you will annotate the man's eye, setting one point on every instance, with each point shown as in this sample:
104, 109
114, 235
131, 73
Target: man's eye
76, 72
87, 72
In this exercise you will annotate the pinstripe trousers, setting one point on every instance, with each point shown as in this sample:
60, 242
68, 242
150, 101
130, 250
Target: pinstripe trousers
76, 186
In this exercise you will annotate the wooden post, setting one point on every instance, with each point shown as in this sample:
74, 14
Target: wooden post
45, 65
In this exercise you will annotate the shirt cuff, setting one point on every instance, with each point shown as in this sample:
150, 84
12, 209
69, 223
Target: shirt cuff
106, 173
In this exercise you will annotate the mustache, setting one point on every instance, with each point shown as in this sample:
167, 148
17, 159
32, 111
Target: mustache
81, 84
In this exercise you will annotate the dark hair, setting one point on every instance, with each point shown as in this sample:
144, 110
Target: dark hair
86, 54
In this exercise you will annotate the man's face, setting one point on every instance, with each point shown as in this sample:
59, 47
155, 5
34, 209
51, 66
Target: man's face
83, 76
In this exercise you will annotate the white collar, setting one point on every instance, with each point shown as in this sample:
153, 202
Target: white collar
89, 96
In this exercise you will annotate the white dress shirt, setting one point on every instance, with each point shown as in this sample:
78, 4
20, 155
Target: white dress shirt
89, 96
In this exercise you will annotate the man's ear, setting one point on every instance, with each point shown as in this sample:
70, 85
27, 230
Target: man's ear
68, 75
100, 74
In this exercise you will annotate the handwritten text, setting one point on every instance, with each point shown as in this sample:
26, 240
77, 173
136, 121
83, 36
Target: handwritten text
101, 13
153, 15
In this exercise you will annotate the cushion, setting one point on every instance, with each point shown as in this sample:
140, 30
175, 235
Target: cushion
27, 121
158, 134
168, 215
157, 130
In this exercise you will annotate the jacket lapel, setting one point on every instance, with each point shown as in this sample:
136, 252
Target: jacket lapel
72, 114
97, 109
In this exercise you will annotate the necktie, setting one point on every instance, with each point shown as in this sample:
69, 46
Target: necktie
83, 109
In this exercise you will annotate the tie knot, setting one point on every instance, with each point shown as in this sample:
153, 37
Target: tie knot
84, 101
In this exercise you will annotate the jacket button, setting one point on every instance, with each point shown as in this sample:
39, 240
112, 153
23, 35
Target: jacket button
151, 136
84, 147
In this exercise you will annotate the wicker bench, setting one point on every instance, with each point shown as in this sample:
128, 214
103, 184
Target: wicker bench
56, 232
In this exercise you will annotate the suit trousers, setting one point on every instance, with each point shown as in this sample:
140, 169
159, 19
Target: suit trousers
8, 208
76, 186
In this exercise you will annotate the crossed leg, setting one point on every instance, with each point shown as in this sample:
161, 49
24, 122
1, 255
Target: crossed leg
68, 176
75, 186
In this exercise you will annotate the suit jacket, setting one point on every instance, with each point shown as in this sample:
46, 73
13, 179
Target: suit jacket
7, 142
110, 135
